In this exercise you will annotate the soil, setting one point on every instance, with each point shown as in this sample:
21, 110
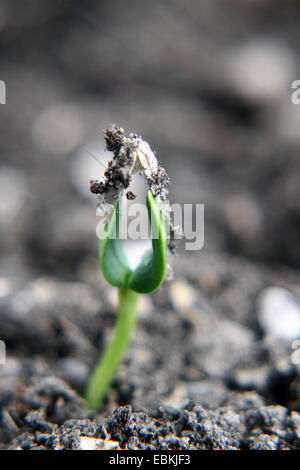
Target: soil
203, 370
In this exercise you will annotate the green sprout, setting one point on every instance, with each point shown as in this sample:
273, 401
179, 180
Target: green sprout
131, 155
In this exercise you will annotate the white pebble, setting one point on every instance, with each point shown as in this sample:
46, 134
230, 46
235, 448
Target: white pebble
58, 129
6, 287
279, 313
260, 70
92, 443
183, 295
286, 121
13, 189
89, 443
38, 292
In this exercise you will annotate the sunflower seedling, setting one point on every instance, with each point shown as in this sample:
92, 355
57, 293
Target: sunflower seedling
132, 155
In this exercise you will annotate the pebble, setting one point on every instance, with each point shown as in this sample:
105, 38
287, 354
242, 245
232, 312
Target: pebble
13, 190
43, 293
58, 129
89, 443
6, 287
73, 370
13, 368
92, 443
183, 295
39, 292
252, 379
278, 312
260, 70
285, 122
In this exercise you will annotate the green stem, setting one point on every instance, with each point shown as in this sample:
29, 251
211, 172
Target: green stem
105, 370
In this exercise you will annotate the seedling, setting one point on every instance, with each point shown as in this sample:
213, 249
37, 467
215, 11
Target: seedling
131, 155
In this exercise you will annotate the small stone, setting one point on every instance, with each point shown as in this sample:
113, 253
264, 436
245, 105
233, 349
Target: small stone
252, 379
58, 129
73, 370
278, 312
285, 123
39, 292
6, 287
225, 346
260, 71
183, 296
209, 281
89, 443
13, 190
111, 445
13, 368
92, 443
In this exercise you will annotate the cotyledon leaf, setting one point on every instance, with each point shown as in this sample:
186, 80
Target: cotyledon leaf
150, 272
114, 263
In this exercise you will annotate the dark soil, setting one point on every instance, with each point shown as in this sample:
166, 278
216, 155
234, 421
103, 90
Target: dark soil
202, 377
202, 371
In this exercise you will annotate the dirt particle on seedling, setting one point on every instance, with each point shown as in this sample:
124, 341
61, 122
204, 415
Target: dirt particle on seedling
132, 155
96, 187
130, 196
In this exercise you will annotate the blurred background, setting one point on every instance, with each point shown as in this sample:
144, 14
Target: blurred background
206, 83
